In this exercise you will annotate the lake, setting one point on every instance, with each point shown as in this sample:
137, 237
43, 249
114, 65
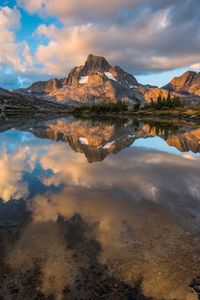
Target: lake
99, 209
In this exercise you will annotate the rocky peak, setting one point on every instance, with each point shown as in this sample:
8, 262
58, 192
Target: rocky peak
99, 65
185, 82
45, 86
74, 75
124, 77
95, 64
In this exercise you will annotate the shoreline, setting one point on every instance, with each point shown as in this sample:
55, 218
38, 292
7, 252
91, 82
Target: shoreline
142, 114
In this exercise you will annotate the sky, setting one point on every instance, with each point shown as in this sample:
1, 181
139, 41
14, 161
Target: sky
154, 40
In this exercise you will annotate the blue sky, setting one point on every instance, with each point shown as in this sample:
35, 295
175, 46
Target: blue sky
153, 40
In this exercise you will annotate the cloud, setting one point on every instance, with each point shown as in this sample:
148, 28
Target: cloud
141, 36
44, 245
77, 172
190, 156
136, 205
15, 56
195, 66
13, 53
86, 10
157, 38
13, 166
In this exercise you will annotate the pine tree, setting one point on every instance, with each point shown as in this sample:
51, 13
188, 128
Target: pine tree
159, 102
152, 104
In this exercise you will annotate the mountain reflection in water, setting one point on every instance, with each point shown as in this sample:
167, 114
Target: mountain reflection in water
123, 228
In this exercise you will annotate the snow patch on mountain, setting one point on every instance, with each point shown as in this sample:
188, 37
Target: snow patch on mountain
108, 145
83, 79
110, 76
83, 141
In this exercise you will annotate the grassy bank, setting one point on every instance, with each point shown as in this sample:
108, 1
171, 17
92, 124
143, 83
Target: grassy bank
184, 112
116, 109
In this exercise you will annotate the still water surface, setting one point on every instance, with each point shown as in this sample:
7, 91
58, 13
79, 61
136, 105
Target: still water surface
99, 209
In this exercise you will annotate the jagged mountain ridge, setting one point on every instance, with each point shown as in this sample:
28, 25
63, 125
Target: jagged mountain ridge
94, 65
95, 81
189, 82
99, 65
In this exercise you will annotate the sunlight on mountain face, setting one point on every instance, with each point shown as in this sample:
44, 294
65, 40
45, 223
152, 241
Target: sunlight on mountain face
77, 216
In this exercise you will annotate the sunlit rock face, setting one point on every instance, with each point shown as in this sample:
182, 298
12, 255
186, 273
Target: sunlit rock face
97, 81
149, 93
99, 65
46, 86
188, 82
124, 228
188, 87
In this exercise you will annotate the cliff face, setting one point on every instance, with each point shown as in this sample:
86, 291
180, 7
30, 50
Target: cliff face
189, 82
149, 93
99, 65
48, 86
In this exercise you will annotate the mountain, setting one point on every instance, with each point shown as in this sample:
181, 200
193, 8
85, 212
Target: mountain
99, 65
4, 92
95, 81
12, 103
189, 82
41, 87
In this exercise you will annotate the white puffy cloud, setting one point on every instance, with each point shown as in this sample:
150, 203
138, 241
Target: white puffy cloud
13, 54
195, 66
13, 166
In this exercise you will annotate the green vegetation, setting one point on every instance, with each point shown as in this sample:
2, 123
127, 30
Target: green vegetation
165, 129
165, 103
119, 106
163, 107
137, 105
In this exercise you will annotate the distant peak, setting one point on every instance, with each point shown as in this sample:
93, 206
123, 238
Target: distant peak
95, 63
189, 73
95, 57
